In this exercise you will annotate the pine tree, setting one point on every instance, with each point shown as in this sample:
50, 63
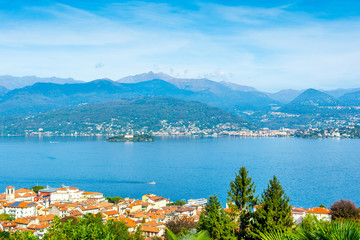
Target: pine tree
216, 221
273, 214
242, 195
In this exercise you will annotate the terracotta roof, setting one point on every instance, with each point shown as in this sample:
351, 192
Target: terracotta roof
75, 213
38, 226
318, 210
298, 210
20, 204
113, 212
46, 218
9, 187
149, 229
128, 222
92, 193
22, 221
23, 190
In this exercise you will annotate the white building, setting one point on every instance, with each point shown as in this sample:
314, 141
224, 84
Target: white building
99, 197
20, 209
158, 202
298, 214
67, 194
320, 213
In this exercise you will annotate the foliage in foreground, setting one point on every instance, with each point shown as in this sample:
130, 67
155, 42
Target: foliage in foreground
202, 235
89, 227
320, 230
216, 221
180, 226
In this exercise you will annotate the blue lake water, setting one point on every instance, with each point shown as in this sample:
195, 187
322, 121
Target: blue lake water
312, 171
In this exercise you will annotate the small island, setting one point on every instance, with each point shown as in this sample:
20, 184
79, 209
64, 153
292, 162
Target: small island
132, 138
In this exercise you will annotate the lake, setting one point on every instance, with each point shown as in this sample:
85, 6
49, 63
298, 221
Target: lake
312, 171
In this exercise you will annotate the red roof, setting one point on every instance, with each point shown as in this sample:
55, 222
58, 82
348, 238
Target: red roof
318, 210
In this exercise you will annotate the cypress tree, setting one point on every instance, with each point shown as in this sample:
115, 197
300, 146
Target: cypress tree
273, 214
242, 197
214, 220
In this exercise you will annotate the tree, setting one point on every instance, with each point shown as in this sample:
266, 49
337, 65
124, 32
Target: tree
322, 206
177, 203
36, 188
215, 221
114, 199
344, 209
180, 225
242, 195
5, 217
202, 235
273, 214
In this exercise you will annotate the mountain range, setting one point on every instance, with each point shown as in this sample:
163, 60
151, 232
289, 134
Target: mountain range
11, 82
49, 94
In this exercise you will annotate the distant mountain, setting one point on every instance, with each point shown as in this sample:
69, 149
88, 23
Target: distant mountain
237, 87
286, 95
139, 114
311, 101
227, 96
11, 82
42, 97
352, 98
341, 91
3, 90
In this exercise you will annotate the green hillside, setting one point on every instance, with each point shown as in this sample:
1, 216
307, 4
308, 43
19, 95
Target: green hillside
139, 114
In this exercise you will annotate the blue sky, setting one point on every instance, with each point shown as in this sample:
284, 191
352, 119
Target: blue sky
270, 45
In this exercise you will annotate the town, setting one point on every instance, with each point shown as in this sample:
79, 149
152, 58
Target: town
35, 212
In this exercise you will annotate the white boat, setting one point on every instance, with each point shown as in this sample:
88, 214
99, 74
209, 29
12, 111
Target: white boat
152, 182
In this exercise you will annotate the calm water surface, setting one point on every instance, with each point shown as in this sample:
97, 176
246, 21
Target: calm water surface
312, 171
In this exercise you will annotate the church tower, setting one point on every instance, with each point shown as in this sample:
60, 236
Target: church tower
10, 194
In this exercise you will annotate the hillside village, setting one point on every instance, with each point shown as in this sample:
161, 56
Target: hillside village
35, 212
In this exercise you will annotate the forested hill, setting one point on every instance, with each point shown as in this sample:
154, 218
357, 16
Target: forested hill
157, 113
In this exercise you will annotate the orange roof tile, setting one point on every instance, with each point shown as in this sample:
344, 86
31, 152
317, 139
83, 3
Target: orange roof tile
318, 210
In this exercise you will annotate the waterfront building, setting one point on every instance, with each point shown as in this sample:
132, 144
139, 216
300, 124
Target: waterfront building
20, 209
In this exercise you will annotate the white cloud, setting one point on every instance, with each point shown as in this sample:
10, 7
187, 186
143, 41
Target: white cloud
266, 48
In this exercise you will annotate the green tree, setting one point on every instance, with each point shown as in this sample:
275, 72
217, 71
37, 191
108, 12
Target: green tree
273, 214
322, 206
36, 188
215, 221
242, 198
114, 199
202, 235
177, 203
5, 217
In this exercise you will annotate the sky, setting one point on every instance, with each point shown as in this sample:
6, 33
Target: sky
267, 44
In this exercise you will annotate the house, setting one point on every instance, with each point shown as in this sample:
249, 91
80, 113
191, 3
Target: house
129, 223
24, 194
111, 214
99, 197
298, 214
7, 226
158, 202
88, 209
59, 210
20, 209
320, 213
152, 231
65, 194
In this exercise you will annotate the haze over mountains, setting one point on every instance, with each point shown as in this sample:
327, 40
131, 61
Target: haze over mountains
20, 97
